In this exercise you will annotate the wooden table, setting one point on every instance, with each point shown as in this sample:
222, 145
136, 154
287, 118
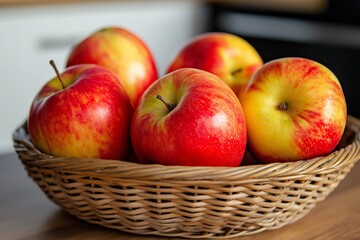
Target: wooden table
25, 213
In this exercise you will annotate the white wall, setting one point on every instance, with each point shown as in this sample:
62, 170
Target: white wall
30, 36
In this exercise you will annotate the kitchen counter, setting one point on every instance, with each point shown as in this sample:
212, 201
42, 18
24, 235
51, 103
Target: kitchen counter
32, 2
304, 6
26, 213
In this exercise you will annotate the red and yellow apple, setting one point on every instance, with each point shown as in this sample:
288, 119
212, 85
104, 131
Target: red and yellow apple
123, 53
228, 56
86, 114
189, 117
295, 109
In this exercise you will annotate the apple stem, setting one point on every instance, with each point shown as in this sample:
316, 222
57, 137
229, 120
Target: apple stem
283, 106
236, 71
52, 63
169, 106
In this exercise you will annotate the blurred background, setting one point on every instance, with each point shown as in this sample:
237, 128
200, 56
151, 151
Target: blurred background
34, 31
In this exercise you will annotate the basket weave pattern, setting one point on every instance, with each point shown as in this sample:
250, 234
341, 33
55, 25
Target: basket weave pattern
192, 202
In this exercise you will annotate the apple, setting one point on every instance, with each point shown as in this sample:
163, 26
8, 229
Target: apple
228, 56
295, 109
123, 53
189, 117
83, 112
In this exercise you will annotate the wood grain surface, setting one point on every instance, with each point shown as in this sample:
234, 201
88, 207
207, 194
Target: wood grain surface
25, 213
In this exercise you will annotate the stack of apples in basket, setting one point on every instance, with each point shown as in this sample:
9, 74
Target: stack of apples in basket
217, 100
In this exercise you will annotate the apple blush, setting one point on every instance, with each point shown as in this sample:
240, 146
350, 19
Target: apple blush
295, 109
123, 53
189, 117
230, 57
83, 112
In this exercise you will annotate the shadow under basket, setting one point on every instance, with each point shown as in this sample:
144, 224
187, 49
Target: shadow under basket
191, 202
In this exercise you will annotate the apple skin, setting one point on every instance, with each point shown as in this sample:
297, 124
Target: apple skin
207, 127
295, 109
228, 56
123, 53
90, 117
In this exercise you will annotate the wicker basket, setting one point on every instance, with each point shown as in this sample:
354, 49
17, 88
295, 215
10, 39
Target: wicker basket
192, 202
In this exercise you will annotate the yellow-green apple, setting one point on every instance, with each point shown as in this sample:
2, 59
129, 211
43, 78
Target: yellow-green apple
295, 109
189, 117
123, 53
228, 56
83, 112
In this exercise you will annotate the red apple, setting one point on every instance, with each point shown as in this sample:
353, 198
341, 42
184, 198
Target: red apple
295, 109
191, 118
86, 114
228, 56
123, 53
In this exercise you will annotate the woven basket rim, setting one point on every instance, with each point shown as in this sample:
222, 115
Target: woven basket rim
137, 171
